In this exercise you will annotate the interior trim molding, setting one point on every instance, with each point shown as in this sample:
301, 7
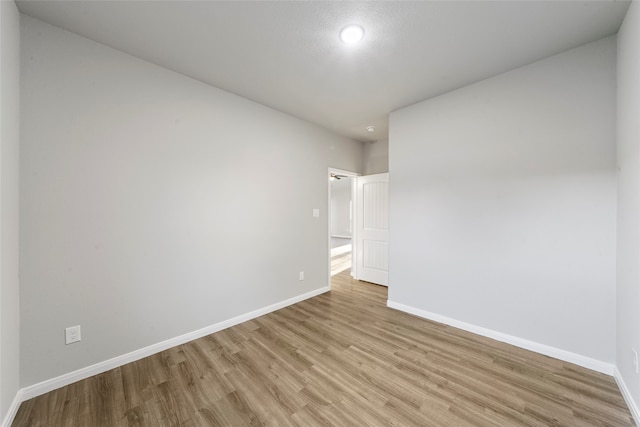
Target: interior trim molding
13, 409
633, 408
567, 356
98, 368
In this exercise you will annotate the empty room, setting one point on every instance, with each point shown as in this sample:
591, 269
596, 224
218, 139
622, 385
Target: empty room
169, 180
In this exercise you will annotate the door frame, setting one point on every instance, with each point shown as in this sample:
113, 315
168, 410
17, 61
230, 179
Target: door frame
351, 175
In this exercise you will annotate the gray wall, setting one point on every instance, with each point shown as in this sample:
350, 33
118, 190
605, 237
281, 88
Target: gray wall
340, 207
503, 203
376, 157
628, 273
154, 205
9, 149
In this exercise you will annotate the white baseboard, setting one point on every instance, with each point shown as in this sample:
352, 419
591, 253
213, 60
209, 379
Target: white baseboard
567, 356
80, 374
633, 408
13, 409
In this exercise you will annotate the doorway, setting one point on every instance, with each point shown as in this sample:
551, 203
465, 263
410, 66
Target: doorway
341, 193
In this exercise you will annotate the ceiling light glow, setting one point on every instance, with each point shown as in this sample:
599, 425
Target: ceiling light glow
371, 128
351, 34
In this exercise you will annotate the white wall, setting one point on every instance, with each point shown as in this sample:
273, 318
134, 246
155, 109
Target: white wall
628, 273
503, 203
340, 207
154, 205
376, 157
9, 149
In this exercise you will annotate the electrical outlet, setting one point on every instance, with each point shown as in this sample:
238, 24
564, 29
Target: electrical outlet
72, 334
302, 275
635, 361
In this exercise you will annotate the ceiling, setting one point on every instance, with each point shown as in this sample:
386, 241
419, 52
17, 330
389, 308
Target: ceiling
287, 55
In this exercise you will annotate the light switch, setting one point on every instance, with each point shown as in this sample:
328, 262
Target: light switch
316, 213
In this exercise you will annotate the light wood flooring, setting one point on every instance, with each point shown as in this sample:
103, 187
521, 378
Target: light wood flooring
340, 263
340, 359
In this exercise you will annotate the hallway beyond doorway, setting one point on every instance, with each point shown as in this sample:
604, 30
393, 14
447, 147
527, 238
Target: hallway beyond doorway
340, 259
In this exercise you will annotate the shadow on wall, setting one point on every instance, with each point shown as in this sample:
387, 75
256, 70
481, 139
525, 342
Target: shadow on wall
376, 157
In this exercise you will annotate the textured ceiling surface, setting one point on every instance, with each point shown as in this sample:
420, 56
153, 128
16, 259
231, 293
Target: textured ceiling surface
287, 55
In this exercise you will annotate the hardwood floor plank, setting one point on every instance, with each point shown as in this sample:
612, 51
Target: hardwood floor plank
339, 359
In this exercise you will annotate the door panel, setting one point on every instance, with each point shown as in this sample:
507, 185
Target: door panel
375, 255
372, 228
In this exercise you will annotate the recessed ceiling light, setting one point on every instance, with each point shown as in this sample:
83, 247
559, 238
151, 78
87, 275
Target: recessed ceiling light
351, 34
371, 128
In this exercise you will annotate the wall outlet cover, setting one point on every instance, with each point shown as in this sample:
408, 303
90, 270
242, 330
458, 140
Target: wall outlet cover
72, 334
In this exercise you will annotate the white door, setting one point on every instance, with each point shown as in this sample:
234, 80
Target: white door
372, 228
